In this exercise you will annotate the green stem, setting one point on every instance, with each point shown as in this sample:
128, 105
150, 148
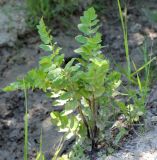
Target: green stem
25, 125
94, 110
95, 129
84, 121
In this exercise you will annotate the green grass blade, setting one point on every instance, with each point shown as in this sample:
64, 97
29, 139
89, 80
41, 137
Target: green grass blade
141, 68
125, 36
147, 68
41, 141
25, 125
59, 148
138, 78
40, 154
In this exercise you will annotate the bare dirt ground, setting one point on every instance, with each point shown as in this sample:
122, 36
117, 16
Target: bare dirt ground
19, 52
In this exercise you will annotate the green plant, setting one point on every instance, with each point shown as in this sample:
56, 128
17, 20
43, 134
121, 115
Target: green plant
85, 85
37, 9
25, 125
58, 150
125, 36
77, 153
136, 108
50, 9
40, 154
137, 88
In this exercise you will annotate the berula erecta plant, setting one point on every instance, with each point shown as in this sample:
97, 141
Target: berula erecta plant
85, 86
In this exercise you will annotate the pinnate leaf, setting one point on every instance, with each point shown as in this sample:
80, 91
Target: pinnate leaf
44, 34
